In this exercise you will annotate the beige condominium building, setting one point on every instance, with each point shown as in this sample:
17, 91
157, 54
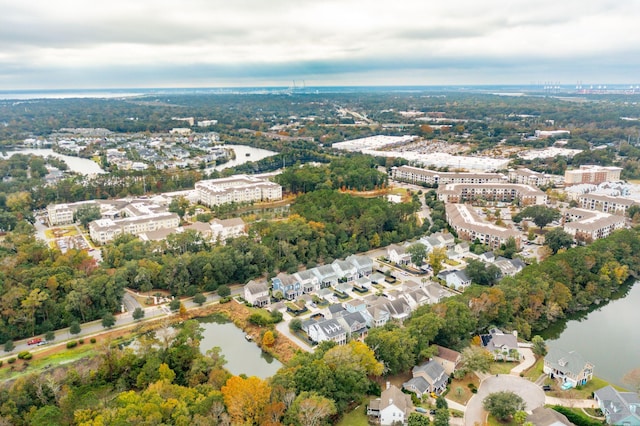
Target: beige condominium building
606, 203
105, 230
470, 226
238, 189
432, 177
589, 225
503, 192
592, 174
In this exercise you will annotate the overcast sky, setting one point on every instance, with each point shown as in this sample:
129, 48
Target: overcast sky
55, 44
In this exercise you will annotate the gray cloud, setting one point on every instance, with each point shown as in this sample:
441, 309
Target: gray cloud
250, 42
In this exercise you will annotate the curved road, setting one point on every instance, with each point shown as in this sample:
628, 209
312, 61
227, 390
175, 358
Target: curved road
532, 394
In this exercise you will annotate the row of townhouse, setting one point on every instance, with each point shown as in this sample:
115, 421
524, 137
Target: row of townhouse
309, 281
606, 203
470, 226
238, 189
503, 192
418, 175
352, 319
589, 225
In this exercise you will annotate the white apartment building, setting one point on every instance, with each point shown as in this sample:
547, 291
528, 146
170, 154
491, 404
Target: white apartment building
592, 174
469, 226
432, 177
238, 189
589, 225
503, 192
104, 230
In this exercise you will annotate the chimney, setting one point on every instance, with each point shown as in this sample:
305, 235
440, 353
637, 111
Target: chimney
390, 401
388, 385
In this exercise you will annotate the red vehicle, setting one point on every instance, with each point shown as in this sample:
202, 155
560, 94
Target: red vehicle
34, 341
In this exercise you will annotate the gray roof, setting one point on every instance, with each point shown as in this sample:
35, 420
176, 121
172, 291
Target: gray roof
431, 369
418, 383
331, 328
618, 404
497, 339
395, 396
256, 287
567, 362
543, 416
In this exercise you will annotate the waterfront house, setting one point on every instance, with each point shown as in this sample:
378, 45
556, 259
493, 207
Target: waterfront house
569, 367
257, 293
503, 346
619, 408
327, 330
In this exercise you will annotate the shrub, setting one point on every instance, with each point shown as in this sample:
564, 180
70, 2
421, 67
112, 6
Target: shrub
11, 360
22, 354
226, 299
72, 344
81, 341
27, 356
92, 340
1, 362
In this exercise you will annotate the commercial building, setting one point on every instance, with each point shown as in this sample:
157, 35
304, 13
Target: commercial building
469, 226
592, 174
589, 225
432, 177
238, 189
543, 134
502, 192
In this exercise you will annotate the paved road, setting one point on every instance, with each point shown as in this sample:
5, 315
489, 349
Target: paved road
533, 395
283, 328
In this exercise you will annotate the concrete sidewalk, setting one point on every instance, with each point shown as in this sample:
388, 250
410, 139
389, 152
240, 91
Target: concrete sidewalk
572, 403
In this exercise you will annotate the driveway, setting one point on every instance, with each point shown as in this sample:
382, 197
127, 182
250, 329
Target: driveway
528, 359
531, 393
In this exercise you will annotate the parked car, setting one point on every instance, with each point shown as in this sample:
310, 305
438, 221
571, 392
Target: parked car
546, 388
421, 410
34, 341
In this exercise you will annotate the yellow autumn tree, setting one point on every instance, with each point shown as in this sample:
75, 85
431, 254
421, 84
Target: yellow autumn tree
246, 399
268, 339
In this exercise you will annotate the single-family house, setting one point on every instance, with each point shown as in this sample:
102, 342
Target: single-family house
398, 255
326, 275
377, 278
436, 292
416, 298
355, 305
328, 330
335, 310
619, 408
308, 280
363, 264
455, 278
543, 416
503, 346
286, 284
345, 270
343, 288
392, 407
427, 377
362, 284
447, 358
509, 267
257, 293
487, 257
379, 315
355, 323
569, 367
458, 251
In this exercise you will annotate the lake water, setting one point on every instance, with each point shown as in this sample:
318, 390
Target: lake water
241, 151
242, 356
608, 337
83, 166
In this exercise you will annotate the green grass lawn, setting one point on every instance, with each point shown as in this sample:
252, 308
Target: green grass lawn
499, 367
492, 421
357, 417
535, 371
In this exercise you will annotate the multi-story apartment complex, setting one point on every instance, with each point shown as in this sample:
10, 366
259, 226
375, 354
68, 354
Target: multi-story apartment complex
432, 177
592, 174
529, 177
589, 225
504, 192
470, 226
105, 230
606, 203
238, 189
